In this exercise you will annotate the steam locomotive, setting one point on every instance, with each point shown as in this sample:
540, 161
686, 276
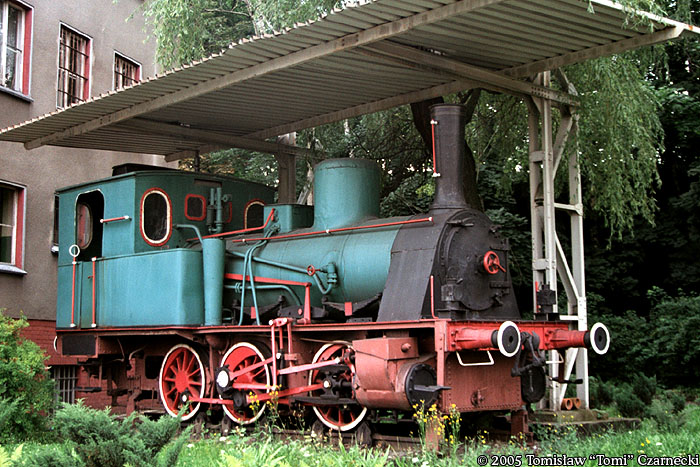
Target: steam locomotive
183, 290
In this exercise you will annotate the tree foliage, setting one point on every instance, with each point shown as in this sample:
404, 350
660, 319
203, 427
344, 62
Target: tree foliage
188, 30
26, 392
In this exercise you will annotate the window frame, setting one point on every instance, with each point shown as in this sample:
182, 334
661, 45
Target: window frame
249, 204
204, 207
169, 217
63, 98
84, 229
54, 233
16, 264
131, 61
25, 36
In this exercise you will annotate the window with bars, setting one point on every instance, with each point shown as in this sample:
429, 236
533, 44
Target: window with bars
66, 378
73, 68
126, 72
15, 41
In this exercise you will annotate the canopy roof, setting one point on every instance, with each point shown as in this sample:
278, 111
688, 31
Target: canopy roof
358, 60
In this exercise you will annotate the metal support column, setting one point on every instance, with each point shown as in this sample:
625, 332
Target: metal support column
549, 260
286, 171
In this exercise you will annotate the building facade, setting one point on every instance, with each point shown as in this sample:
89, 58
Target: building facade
57, 53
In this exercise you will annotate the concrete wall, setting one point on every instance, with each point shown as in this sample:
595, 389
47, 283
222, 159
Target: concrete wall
45, 169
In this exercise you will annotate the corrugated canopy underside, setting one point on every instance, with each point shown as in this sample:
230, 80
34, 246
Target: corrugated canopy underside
358, 60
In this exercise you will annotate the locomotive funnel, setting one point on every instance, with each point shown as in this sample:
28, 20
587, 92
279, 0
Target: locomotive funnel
448, 122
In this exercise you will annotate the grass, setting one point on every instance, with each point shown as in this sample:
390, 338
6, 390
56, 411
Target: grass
239, 450
263, 449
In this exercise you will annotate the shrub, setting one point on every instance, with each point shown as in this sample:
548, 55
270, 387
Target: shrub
644, 387
601, 394
26, 391
100, 439
675, 340
49, 455
661, 411
630, 347
677, 401
629, 404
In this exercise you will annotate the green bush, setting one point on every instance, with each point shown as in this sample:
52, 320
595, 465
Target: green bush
675, 340
644, 387
100, 439
677, 401
48, 455
628, 403
26, 391
601, 394
661, 412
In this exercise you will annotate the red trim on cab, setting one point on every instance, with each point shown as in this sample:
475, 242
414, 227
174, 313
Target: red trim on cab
229, 213
204, 207
88, 75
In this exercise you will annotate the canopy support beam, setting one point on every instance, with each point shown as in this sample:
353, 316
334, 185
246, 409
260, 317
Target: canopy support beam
486, 79
549, 260
142, 125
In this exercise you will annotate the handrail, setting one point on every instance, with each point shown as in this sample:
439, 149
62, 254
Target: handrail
190, 226
235, 232
94, 279
330, 231
268, 280
115, 219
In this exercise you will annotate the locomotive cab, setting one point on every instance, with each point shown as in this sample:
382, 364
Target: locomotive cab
125, 252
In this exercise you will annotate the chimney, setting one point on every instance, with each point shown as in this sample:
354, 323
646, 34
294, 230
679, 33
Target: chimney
448, 122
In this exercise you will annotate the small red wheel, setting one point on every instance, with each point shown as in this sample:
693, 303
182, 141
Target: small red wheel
242, 355
182, 373
341, 417
492, 263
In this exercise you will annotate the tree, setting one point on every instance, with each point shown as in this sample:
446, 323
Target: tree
620, 140
26, 391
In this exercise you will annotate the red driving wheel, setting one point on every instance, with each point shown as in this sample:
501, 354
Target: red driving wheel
341, 417
238, 357
181, 376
